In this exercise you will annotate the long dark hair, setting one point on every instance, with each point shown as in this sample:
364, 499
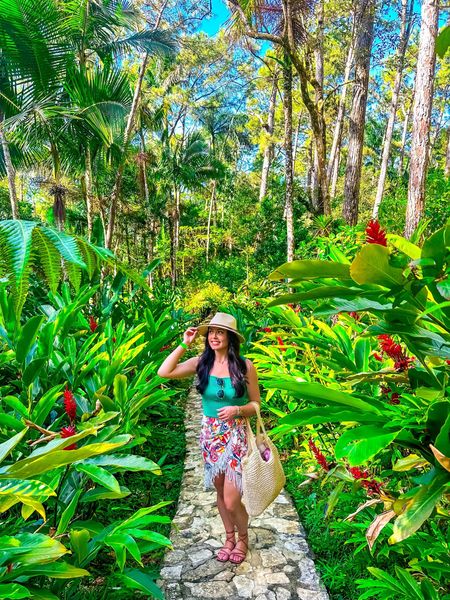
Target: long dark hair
236, 365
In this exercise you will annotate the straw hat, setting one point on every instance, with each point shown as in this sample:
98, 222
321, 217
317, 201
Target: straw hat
222, 320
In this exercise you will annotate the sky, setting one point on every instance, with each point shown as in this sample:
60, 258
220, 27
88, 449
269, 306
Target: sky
220, 14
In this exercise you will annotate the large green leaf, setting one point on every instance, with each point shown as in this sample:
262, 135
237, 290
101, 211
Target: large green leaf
124, 539
315, 416
68, 513
33, 369
99, 475
130, 462
311, 269
371, 265
6, 447
404, 245
105, 494
322, 394
139, 580
58, 458
443, 41
419, 507
360, 444
13, 591
442, 442
325, 291
30, 548
79, 539
26, 488
57, 570
27, 337
45, 404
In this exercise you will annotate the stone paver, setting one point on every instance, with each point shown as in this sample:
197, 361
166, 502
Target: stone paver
279, 564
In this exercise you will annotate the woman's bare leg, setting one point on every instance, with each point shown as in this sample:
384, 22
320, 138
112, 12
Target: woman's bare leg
227, 520
238, 514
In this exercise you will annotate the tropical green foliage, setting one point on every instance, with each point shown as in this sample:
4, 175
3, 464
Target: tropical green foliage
375, 411
78, 391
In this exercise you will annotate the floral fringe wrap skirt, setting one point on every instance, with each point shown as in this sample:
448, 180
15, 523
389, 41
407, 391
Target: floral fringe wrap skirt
223, 445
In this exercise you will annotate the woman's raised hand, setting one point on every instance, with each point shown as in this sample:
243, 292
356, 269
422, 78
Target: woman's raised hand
189, 335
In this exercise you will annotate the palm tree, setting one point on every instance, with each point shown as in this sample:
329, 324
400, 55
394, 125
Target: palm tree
185, 164
44, 41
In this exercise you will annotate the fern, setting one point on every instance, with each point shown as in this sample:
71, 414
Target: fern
49, 258
25, 245
15, 244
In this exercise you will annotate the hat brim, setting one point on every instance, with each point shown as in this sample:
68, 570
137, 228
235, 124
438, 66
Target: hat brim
203, 330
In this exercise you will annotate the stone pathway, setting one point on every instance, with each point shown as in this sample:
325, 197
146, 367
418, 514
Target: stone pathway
279, 564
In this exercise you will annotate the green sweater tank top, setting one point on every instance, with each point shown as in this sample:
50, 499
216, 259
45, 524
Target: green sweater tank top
212, 403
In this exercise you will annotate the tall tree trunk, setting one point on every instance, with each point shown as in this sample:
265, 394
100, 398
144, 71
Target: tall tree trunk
405, 29
268, 150
422, 114
310, 172
335, 175
404, 136
447, 156
211, 203
289, 174
11, 174
174, 235
126, 140
317, 199
337, 135
89, 194
363, 47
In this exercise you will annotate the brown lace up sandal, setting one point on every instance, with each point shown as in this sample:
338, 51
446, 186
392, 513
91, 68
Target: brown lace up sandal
224, 553
238, 555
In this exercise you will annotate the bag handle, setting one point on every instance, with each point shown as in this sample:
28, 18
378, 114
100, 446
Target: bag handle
259, 422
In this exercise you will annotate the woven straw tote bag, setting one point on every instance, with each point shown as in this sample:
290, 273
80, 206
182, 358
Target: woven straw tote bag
261, 481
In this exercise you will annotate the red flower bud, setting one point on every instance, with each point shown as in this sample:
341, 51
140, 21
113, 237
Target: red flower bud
395, 398
318, 455
280, 341
70, 405
374, 233
67, 432
92, 324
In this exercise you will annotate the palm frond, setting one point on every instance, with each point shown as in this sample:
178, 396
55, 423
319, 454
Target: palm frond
15, 246
34, 48
159, 43
49, 258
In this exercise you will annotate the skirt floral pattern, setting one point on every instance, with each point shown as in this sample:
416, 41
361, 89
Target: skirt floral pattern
223, 444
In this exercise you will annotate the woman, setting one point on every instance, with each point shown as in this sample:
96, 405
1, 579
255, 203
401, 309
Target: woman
228, 383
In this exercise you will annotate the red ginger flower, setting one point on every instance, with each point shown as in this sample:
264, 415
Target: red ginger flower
70, 405
377, 356
267, 329
92, 324
372, 486
388, 346
394, 351
448, 361
318, 455
395, 398
67, 432
374, 233
354, 315
280, 341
